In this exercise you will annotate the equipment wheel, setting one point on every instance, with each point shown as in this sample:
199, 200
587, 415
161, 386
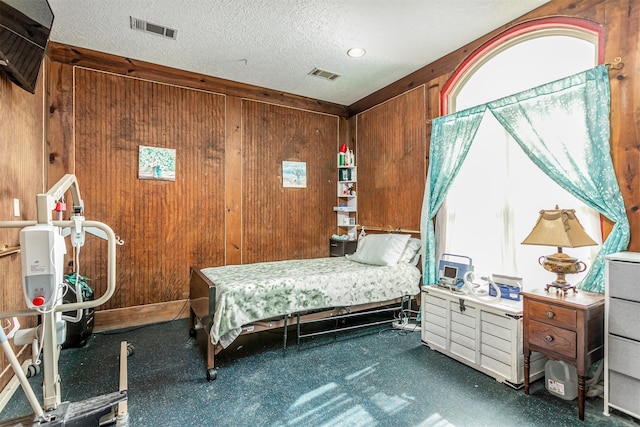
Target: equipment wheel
192, 332
32, 370
212, 374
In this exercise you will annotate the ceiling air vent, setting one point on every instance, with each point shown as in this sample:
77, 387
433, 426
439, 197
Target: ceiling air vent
139, 24
323, 74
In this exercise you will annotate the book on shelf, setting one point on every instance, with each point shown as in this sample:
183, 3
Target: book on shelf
344, 174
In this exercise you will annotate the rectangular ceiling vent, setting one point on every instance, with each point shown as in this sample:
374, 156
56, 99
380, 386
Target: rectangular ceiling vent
323, 74
139, 24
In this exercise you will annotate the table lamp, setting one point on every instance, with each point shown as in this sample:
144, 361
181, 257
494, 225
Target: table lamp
560, 228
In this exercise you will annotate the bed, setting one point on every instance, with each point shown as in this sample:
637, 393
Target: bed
234, 300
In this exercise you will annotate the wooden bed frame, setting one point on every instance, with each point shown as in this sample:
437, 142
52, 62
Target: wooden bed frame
202, 309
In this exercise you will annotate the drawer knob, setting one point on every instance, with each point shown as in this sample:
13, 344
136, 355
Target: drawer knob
550, 315
548, 338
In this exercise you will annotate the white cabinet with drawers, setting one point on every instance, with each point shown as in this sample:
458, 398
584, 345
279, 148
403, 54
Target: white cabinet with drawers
484, 335
622, 335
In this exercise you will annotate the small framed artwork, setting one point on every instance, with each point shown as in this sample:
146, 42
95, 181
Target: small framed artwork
294, 174
157, 163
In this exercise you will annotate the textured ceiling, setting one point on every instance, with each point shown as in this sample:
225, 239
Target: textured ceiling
276, 43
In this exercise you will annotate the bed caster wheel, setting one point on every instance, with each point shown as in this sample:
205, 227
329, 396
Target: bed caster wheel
130, 349
192, 332
212, 374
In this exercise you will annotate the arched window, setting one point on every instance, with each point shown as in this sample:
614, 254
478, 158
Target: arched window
494, 201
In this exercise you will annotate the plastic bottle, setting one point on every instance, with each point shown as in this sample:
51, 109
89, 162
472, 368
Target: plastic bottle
561, 379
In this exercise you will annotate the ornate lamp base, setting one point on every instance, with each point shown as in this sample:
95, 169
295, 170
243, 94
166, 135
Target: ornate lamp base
561, 264
564, 287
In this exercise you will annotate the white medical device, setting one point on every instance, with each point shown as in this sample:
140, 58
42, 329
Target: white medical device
452, 268
456, 273
449, 275
43, 251
510, 286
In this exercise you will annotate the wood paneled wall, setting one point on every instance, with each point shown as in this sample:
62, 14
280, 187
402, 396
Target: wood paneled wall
287, 223
21, 163
392, 162
226, 205
167, 226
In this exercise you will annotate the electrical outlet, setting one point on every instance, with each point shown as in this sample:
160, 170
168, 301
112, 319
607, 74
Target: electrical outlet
16, 207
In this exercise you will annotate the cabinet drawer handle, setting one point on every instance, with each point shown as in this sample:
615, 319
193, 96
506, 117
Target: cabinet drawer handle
548, 338
550, 315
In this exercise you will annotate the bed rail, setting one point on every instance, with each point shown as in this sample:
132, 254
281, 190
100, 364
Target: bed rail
388, 229
300, 322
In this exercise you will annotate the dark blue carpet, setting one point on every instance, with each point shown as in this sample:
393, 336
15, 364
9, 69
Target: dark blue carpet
370, 377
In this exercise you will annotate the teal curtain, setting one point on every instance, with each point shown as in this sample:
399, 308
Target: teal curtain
451, 137
563, 127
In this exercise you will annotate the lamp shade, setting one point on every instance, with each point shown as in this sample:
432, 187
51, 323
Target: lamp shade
559, 227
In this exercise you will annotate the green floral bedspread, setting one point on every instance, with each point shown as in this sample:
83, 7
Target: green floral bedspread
250, 292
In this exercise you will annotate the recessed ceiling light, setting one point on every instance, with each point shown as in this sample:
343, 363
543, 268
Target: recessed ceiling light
356, 52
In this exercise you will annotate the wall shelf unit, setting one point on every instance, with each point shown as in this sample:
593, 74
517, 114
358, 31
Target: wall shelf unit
347, 209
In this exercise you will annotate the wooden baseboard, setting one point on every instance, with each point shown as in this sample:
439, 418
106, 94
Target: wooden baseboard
118, 318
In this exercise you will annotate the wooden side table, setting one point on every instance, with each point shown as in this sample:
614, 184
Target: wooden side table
564, 327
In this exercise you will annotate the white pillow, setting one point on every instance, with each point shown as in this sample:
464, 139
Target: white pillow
380, 249
411, 252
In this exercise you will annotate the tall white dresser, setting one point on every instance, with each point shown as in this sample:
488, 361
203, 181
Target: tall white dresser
622, 333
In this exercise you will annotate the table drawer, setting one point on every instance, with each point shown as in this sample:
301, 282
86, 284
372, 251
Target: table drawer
552, 314
553, 338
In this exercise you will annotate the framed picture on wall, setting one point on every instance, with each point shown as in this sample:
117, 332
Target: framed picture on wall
157, 163
294, 174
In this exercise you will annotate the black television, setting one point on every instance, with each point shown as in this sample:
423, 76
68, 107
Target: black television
25, 26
